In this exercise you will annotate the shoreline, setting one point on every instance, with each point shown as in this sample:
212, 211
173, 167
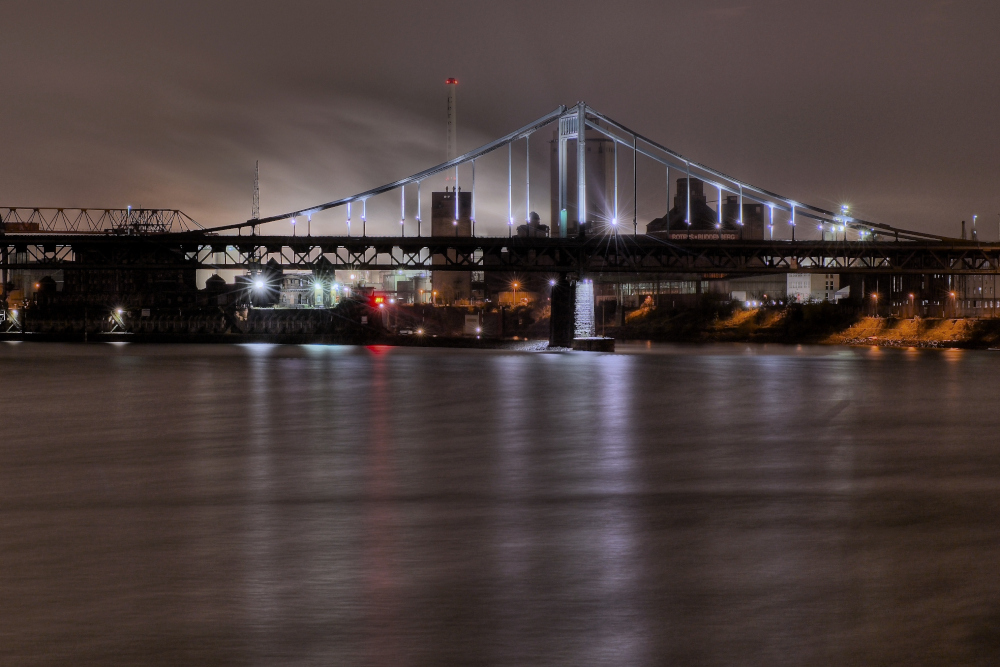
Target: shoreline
455, 342
802, 327
745, 326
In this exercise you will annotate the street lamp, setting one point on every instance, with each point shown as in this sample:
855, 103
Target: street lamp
515, 293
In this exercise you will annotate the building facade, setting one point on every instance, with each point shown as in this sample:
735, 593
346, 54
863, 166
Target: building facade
812, 287
451, 218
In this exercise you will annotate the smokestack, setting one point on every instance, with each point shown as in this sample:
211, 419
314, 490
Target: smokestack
452, 120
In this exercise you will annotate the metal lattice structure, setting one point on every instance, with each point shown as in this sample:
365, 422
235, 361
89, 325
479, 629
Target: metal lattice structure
125, 221
621, 255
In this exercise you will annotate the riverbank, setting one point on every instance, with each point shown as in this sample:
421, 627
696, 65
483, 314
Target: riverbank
809, 324
467, 342
966, 333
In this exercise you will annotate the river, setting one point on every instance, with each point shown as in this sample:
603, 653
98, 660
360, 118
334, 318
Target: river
719, 505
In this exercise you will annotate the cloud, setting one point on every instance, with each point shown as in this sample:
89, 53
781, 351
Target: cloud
727, 13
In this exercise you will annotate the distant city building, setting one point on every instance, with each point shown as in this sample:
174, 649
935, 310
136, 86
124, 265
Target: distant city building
751, 224
704, 222
407, 286
447, 219
766, 288
533, 228
812, 287
297, 290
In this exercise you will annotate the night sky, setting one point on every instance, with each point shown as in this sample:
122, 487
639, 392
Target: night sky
889, 106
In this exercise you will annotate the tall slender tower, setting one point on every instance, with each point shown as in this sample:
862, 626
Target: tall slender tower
255, 213
452, 120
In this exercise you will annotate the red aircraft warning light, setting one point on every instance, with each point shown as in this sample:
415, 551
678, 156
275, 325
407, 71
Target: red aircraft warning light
451, 81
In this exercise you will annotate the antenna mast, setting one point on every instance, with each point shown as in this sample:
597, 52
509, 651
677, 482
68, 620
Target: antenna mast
452, 147
255, 214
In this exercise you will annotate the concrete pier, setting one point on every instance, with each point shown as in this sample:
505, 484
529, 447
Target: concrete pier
561, 326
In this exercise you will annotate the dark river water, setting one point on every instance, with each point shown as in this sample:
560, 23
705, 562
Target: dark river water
283, 505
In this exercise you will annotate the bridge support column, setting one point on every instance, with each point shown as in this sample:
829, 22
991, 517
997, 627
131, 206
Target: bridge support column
581, 164
3, 270
561, 324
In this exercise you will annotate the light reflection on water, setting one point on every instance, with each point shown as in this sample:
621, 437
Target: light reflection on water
334, 505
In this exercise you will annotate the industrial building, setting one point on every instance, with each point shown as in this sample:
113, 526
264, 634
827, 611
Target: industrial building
451, 215
814, 287
724, 223
533, 229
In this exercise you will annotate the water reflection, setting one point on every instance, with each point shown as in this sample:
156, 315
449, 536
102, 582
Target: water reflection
316, 505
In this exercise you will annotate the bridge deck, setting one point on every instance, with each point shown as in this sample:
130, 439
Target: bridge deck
622, 254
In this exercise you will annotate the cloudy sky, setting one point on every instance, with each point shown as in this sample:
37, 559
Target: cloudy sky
890, 106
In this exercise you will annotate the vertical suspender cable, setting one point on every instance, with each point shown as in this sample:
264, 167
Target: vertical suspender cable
510, 213
667, 215
635, 186
739, 217
527, 179
348, 218
402, 210
688, 220
719, 208
473, 197
418, 207
614, 210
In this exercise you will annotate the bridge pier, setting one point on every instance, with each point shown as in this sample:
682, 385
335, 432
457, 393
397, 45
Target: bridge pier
563, 305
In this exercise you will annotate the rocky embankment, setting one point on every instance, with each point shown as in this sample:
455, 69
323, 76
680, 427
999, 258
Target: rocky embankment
816, 324
920, 332
716, 323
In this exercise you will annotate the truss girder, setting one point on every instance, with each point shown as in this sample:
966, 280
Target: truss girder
128, 221
613, 254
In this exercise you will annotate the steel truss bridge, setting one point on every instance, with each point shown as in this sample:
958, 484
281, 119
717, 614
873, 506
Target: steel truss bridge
131, 221
618, 255
153, 239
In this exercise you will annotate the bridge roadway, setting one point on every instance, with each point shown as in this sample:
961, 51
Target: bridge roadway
616, 254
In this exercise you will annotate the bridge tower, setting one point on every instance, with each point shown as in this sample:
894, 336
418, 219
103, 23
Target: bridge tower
568, 216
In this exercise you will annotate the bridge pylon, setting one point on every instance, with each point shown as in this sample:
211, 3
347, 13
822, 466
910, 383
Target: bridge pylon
562, 322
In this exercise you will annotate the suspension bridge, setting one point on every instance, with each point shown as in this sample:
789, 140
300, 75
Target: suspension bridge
750, 231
